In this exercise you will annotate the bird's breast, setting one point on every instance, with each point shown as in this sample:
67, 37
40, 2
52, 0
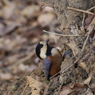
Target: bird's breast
56, 61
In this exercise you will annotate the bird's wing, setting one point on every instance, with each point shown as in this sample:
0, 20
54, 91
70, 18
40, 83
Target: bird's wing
67, 52
47, 66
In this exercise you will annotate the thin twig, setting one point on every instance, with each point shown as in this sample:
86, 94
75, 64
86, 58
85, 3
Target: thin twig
87, 38
85, 43
67, 68
24, 89
46, 89
83, 20
63, 81
82, 27
79, 10
91, 8
59, 34
55, 75
60, 88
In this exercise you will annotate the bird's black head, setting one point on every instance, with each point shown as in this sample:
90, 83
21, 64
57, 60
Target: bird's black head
43, 49
38, 48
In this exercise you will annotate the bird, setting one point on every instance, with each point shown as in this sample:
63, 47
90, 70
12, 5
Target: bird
51, 56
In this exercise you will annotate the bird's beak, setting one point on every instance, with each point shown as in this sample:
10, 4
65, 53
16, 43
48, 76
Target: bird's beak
47, 41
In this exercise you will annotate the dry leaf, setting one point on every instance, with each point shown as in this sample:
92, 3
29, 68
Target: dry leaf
31, 11
35, 85
88, 20
91, 24
78, 85
87, 81
73, 47
66, 91
83, 65
47, 19
5, 76
8, 10
48, 9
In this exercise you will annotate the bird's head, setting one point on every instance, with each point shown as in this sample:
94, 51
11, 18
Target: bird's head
42, 48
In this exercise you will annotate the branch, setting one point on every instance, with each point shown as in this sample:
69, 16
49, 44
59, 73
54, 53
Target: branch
79, 10
59, 34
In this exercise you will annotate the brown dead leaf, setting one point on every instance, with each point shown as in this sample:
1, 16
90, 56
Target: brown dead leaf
69, 89
35, 85
83, 65
66, 90
48, 9
91, 28
47, 19
73, 46
88, 20
78, 85
31, 11
6, 76
87, 81
8, 10
91, 24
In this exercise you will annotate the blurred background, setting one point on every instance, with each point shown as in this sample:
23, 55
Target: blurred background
21, 27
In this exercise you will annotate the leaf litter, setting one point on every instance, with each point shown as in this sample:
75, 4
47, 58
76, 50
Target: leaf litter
21, 27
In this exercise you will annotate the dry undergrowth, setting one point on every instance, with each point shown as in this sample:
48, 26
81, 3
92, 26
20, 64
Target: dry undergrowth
21, 28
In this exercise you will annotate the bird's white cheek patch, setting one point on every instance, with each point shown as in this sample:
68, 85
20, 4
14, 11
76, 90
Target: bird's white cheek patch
43, 52
54, 51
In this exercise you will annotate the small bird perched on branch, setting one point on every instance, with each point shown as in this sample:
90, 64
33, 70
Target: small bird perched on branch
51, 57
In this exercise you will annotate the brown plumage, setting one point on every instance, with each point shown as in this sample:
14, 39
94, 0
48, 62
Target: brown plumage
56, 61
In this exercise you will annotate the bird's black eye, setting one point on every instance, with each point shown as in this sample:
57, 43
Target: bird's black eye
38, 48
